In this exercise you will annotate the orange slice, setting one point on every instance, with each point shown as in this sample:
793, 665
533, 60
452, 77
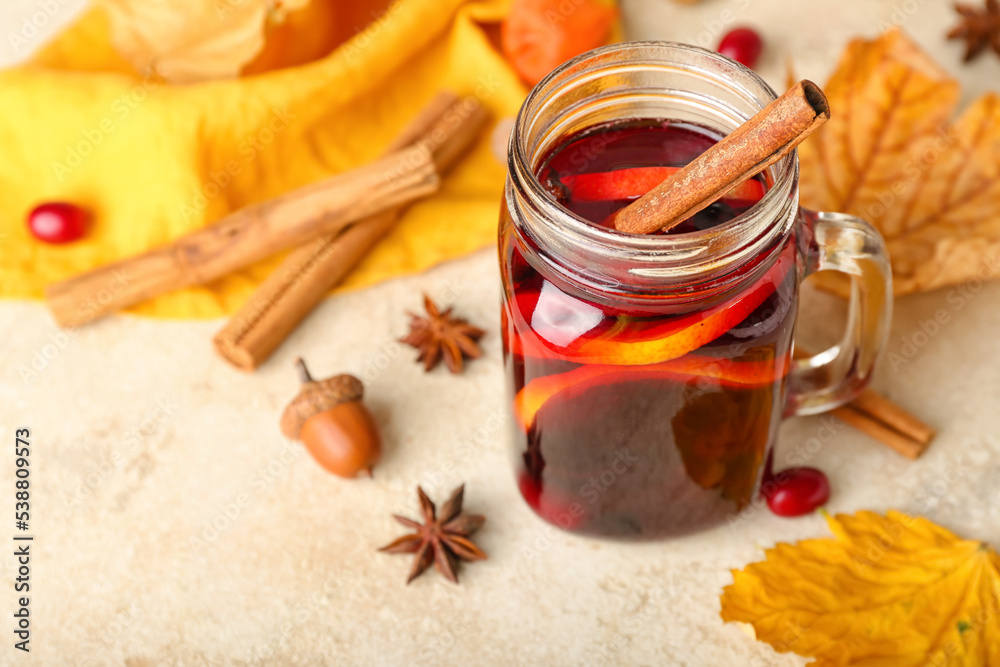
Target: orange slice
739, 374
671, 340
636, 181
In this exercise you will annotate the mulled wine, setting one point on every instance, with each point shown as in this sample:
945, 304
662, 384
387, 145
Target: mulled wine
642, 419
647, 374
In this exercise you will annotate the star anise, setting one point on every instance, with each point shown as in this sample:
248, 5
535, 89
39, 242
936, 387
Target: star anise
980, 28
441, 335
441, 540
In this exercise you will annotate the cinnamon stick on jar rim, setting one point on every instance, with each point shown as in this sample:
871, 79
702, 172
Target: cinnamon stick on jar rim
760, 142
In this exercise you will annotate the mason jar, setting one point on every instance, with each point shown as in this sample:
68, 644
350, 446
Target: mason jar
647, 374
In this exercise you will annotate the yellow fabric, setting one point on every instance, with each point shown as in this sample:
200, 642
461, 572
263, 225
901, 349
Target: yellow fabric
150, 160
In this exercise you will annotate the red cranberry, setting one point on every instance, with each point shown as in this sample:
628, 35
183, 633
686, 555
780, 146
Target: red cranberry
57, 222
796, 491
742, 45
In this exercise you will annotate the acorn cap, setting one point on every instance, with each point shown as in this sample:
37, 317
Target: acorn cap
317, 396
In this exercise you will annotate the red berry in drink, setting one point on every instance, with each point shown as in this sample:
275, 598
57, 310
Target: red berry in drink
742, 45
57, 222
796, 491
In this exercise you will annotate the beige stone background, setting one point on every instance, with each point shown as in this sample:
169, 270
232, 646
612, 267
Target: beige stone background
142, 440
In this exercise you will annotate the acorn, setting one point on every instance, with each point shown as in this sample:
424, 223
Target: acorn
334, 425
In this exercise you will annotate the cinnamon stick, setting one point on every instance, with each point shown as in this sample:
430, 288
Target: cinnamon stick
876, 406
447, 126
246, 236
874, 426
760, 142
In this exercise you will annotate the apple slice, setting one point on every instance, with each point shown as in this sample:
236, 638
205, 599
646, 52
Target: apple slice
634, 182
737, 374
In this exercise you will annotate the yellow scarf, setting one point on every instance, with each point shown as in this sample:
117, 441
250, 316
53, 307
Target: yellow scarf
154, 161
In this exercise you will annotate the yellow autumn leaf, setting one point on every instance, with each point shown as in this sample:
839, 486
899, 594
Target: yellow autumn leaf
889, 155
886, 590
185, 41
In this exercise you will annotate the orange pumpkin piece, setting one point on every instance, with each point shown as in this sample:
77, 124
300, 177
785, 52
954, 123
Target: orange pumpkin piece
539, 35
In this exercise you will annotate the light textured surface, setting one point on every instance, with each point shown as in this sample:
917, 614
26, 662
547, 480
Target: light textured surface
143, 441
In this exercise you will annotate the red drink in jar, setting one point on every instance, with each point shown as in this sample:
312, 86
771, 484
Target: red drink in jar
647, 374
642, 421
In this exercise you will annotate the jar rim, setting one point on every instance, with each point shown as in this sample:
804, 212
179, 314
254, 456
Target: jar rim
761, 225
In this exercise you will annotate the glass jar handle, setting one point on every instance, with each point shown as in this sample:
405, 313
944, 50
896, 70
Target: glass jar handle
844, 243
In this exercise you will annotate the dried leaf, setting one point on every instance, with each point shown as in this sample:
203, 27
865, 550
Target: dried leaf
888, 155
193, 40
886, 590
